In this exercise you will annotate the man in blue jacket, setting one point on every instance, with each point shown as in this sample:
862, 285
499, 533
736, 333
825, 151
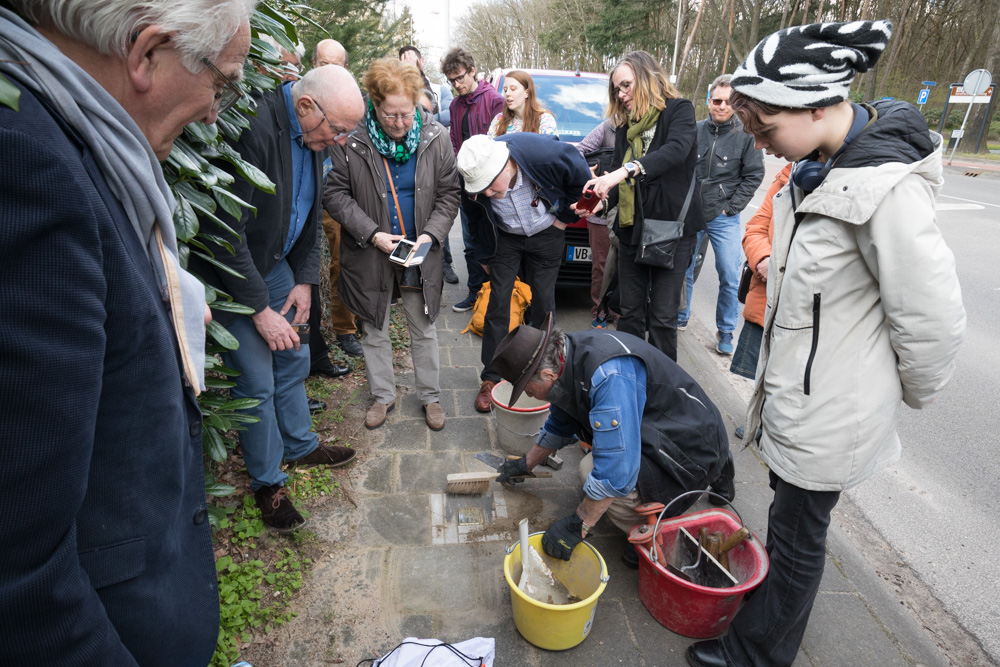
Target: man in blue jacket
105, 549
530, 181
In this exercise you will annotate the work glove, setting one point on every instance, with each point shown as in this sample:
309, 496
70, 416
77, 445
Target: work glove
563, 536
513, 472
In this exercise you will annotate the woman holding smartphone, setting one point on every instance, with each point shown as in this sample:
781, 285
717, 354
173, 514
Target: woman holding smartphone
521, 110
656, 151
394, 179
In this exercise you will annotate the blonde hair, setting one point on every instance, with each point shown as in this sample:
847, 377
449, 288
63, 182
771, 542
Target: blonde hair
390, 76
650, 88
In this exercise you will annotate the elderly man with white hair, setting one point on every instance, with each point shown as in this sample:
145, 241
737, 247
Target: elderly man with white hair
107, 553
278, 257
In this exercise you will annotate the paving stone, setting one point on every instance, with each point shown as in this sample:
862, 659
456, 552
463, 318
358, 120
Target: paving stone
396, 520
462, 377
834, 580
465, 401
467, 356
417, 625
468, 434
842, 633
377, 474
434, 580
425, 472
405, 434
455, 339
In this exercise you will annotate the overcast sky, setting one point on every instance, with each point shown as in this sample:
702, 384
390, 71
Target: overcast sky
429, 25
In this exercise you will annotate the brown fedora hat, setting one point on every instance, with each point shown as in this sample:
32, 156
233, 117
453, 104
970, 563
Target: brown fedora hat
519, 354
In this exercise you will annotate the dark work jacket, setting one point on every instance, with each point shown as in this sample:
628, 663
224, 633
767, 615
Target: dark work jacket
106, 555
555, 167
670, 164
729, 167
684, 442
267, 145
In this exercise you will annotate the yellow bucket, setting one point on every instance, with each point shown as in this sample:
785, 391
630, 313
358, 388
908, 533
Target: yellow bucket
551, 626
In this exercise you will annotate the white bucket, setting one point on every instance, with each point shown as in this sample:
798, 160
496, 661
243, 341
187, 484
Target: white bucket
517, 425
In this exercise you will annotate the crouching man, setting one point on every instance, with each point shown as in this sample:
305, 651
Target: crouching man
654, 432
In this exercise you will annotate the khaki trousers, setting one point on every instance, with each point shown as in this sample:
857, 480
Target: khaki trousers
622, 510
341, 319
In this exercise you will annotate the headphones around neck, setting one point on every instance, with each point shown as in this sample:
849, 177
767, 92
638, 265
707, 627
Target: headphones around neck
809, 174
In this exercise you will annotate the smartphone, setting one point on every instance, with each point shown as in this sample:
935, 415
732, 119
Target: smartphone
588, 201
401, 252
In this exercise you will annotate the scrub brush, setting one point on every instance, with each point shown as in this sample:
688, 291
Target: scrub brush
474, 483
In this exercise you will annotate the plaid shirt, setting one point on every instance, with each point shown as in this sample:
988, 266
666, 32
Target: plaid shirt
517, 214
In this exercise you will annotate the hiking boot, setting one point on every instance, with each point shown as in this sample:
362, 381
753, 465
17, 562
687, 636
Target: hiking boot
350, 344
485, 396
376, 414
276, 510
449, 274
434, 415
323, 455
466, 304
725, 345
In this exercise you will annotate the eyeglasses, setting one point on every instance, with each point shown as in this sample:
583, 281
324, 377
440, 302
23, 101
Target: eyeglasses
230, 93
718, 101
458, 78
398, 118
337, 134
623, 87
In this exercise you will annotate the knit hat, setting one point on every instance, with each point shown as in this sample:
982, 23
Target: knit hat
811, 66
480, 161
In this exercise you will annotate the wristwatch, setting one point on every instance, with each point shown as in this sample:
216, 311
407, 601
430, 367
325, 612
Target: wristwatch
632, 168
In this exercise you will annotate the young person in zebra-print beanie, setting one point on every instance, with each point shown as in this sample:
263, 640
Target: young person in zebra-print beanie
864, 309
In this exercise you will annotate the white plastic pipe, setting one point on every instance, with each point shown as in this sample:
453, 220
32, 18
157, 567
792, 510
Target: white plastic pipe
522, 528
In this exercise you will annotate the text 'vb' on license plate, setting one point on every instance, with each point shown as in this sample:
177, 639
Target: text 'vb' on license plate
578, 253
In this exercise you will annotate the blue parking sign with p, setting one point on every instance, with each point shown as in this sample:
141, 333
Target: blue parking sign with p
922, 97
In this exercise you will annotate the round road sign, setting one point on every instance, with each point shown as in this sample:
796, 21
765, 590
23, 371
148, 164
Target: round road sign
977, 82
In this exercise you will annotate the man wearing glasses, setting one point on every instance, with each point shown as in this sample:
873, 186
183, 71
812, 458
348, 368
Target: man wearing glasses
729, 169
107, 552
278, 257
472, 109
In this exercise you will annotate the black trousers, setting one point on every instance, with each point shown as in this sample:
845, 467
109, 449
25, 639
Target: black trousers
469, 208
319, 353
768, 629
639, 284
542, 255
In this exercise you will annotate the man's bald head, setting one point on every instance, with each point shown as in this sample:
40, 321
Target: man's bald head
329, 52
329, 91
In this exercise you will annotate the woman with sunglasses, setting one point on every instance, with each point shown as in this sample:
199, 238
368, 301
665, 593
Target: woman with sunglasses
521, 110
394, 180
655, 157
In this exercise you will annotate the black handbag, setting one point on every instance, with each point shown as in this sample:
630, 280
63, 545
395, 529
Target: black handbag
660, 237
746, 273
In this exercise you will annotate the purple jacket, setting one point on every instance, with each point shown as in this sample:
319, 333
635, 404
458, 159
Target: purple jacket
482, 104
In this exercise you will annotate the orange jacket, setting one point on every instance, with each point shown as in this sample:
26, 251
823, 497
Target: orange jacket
757, 246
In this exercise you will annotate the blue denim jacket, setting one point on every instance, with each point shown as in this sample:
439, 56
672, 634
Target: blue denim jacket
617, 399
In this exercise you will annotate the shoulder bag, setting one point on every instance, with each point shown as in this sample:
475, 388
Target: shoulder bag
660, 237
411, 278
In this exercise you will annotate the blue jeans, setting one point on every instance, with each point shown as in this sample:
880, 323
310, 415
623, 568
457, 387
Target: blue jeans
277, 380
724, 233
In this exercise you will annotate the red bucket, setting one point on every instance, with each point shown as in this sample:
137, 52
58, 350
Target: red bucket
689, 609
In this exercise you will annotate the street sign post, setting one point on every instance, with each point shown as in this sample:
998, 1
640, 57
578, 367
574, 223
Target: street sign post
928, 83
976, 83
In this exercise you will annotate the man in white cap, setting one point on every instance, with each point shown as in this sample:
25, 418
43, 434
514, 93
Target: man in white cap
857, 250
530, 182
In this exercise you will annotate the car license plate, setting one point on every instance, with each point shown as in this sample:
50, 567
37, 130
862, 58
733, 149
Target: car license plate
578, 253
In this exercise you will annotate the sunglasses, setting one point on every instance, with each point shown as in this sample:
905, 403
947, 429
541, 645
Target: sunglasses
718, 102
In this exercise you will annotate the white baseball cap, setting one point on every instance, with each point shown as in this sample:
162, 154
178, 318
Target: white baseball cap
480, 161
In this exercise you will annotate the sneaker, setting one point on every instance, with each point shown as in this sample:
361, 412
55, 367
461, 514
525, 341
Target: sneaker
449, 274
466, 304
376, 414
725, 345
740, 432
682, 325
276, 510
599, 323
350, 344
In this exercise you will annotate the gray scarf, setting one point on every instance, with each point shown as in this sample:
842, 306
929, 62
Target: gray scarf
127, 163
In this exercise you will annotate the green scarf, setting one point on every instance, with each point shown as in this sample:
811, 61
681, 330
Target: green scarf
400, 152
626, 189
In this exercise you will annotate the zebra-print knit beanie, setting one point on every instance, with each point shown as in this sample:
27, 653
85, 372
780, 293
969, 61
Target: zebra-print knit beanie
811, 66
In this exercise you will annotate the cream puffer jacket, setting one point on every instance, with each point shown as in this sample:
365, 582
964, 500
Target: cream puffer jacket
864, 309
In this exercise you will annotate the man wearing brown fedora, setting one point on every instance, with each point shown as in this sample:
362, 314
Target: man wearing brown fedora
654, 432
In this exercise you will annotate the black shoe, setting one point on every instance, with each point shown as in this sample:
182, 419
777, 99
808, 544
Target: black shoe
725, 484
350, 344
449, 274
276, 510
708, 653
330, 370
316, 405
324, 455
630, 557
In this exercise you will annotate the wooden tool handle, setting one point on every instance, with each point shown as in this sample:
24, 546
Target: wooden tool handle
488, 476
734, 539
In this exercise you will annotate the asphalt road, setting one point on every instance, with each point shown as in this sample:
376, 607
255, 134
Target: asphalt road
938, 507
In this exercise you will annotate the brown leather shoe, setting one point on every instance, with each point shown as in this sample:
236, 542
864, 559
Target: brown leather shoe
484, 398
323, 455
276, 510
434, 415
376, 414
